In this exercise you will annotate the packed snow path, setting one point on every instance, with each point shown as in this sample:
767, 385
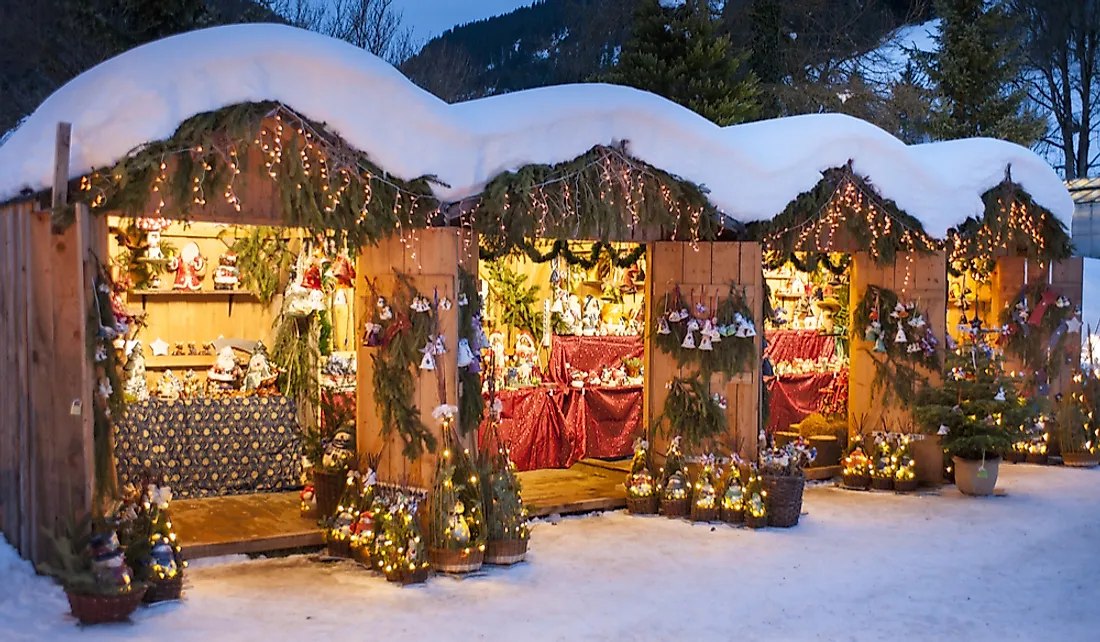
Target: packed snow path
860, 566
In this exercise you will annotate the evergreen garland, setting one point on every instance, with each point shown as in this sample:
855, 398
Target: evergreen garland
729, 356
587, 197
262, 257
900, 373
802, 224
561, 249
471, 403
1042, 348
395, 362
691, 413
103, 325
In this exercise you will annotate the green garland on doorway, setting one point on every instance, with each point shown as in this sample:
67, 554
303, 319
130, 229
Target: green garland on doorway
102, 327
692, 414
899, 374
395, 362
471, 404
730, 356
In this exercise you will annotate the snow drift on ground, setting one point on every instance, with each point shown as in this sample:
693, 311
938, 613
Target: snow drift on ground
860, 566
753, 171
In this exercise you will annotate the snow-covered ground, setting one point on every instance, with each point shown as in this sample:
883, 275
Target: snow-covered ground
860, 566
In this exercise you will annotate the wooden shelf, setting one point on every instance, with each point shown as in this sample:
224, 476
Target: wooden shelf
189, 293
182, 362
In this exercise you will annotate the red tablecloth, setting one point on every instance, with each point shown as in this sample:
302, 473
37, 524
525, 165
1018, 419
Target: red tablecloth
590, 353
554, 427
792, 397
788, 345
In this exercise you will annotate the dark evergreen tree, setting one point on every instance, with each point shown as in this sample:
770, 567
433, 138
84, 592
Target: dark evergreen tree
976, 77
676, 52
766, 58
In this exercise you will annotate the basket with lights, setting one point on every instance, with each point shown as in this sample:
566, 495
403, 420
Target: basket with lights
731, 503
857, 470
146, 533
1078, 437
882, 475
785, 481
338, 528
1037, 452
505, 512
704, 505
674, 487
641, 488
399, 548
755, 500
457, 530
905, 472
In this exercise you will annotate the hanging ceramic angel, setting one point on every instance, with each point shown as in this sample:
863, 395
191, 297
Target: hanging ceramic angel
689, 340
880, 345
900, 336
692, 325
705, 342
428, 361
465, 355
662, 325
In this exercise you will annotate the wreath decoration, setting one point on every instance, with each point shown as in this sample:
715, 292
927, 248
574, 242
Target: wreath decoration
902, 337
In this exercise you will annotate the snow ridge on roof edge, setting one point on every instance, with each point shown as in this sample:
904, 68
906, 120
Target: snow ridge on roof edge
752, 171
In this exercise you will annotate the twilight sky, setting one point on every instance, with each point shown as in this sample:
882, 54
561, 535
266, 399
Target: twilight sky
429, 18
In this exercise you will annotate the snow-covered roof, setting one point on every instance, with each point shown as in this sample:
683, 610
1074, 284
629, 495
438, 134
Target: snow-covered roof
752, 171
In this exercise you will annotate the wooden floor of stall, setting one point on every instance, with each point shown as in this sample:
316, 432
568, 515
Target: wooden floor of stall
271, 521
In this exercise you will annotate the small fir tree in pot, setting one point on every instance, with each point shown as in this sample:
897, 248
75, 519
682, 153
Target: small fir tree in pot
674, 486
977, 412
457, 532
641, 488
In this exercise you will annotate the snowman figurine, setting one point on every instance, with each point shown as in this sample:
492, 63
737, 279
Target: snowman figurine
457, 525
338, 454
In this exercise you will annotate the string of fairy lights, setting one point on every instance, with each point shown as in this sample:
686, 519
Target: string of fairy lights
340, 169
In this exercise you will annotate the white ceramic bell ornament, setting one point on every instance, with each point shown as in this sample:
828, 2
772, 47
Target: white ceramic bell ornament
662, 326
705, 342
428, 362
465, 354
900, 336
689, 340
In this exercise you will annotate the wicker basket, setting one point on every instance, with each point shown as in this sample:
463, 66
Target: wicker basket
164, 590
882, 483
906, 485
731, 516
505, 552
448, 561
98, 609
1015, 457
1036, 458
405, 577
339, 547
328, 488
703, 514
784, 499
755, 522
858, 482
676, 507
642, 505
1080, 460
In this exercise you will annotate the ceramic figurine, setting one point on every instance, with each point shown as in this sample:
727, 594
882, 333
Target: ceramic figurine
457, 525
192, 387
169, 387
227, 276
163, 559
339, 452
260, 374
591, 321
189, 266
136, 386
225, 371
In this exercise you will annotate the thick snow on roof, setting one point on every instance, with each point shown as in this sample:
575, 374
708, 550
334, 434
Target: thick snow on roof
752, 171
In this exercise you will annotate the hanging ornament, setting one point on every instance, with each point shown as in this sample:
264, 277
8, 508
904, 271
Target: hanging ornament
715, 330
465, 355
463, 301
872, 332
917, 321
1063, 302
880, 346
1000, 396
445, 304
662, 326
386, 314
900, 336
705, 342
692, 325
428, 362
440, 346
689, 340
913, 347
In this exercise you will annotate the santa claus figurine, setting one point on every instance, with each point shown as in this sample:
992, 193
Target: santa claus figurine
190, 267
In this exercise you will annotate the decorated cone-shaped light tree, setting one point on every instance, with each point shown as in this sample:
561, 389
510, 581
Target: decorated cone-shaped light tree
1077, 433
674, 486
883, 473
755, 500
152, 550
338, 528
732, 506
641, 488
505, 513
362, 530
857, 470
704, 506
399, 546
977, 411
458, 530
905, 470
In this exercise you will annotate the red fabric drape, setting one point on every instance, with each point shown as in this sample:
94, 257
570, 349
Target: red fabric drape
554, 427
590, 353
793, 397
788, 345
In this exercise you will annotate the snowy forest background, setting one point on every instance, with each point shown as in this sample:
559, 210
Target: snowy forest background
1021, 70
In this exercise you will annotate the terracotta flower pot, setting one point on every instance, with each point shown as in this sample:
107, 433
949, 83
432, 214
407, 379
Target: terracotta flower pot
969, 482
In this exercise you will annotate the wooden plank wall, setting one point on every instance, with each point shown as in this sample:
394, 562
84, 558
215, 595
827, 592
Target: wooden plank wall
432, 258
1065, 277
706, 269
927, 286
45, 449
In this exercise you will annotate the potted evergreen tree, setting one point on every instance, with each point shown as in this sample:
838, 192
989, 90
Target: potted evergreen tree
976, 411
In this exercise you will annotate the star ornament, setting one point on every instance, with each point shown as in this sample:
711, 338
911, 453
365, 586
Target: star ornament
1073, 324
159, 347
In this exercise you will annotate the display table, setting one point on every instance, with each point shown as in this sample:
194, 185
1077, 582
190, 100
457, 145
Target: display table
590, 354
206, 447
788, 345
792, 397
556, 426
